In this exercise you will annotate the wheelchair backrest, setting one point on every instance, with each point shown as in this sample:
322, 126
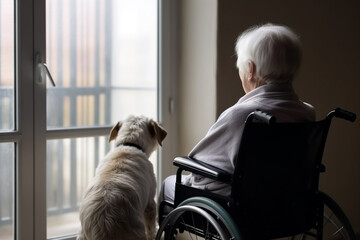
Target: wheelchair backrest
277, 173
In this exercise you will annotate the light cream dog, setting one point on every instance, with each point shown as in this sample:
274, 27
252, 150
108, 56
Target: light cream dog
119, 202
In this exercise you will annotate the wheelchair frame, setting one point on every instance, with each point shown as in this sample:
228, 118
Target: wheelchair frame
220, 215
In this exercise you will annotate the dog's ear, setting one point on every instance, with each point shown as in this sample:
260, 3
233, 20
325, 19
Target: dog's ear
159, 132
114, 131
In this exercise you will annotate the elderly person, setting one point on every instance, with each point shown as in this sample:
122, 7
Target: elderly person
268, 58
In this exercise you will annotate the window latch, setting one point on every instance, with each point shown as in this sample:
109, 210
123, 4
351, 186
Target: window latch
42, 68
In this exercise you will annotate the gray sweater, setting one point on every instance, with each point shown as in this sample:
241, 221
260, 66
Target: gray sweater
220, 145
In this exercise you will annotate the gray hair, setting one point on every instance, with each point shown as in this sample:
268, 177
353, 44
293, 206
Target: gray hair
275, 50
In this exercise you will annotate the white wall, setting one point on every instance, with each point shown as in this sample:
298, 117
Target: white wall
188, 74
197, 65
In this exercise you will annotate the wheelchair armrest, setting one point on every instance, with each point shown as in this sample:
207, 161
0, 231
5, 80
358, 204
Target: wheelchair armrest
203, 169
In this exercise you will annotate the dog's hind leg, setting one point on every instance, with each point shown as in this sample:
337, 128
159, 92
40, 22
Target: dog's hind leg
134, 228
150, 218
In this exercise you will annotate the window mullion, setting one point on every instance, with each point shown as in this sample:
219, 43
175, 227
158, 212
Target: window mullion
24, 139
39, 123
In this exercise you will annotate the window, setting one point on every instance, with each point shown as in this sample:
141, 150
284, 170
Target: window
7, 117
103, 57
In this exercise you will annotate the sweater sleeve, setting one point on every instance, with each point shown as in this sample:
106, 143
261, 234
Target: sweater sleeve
220, 145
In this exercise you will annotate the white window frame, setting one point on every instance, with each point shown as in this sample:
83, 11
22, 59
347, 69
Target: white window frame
31, 134
168, 81
25, 191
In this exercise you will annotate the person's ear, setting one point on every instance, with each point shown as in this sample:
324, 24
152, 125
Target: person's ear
252, 70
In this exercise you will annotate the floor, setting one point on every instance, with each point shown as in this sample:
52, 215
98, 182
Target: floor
64, 224
59, 225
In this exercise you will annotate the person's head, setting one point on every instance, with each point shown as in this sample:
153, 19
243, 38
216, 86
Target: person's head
267, 54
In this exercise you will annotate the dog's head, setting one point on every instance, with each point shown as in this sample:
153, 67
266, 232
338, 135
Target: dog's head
138, 131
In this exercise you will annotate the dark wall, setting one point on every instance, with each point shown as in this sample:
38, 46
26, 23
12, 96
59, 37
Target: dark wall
328, 78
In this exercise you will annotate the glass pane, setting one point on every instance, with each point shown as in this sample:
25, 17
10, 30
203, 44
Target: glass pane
97, 50
7, 191
71, 163
103, 58
6, 65
134, 102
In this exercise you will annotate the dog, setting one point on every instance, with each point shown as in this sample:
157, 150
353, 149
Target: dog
120, 200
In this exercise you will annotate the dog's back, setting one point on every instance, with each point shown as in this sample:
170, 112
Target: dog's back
114, 204
119, 203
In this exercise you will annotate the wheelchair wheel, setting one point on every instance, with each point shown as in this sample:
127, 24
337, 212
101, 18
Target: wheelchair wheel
198, 218
221, 214
335, 223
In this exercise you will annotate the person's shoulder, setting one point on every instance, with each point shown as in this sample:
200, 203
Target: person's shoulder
310, 111
237, 113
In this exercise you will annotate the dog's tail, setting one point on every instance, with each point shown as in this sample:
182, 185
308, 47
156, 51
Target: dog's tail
111, 213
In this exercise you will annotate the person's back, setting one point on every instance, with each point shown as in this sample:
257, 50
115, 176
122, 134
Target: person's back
219, 147
269, 57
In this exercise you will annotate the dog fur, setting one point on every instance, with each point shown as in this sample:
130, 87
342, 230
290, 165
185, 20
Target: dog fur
119, 202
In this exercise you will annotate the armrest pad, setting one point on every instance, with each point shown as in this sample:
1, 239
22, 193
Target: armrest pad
203, 169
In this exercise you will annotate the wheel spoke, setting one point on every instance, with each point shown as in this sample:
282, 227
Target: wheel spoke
186, 227
197, 222
339, 231
328, 219
206, 234
337, 228
193, 221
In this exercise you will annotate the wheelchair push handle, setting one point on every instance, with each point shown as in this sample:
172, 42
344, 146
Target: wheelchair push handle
260, 116
344, 114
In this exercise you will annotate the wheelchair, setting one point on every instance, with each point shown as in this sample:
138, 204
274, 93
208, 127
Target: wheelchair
274, 188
